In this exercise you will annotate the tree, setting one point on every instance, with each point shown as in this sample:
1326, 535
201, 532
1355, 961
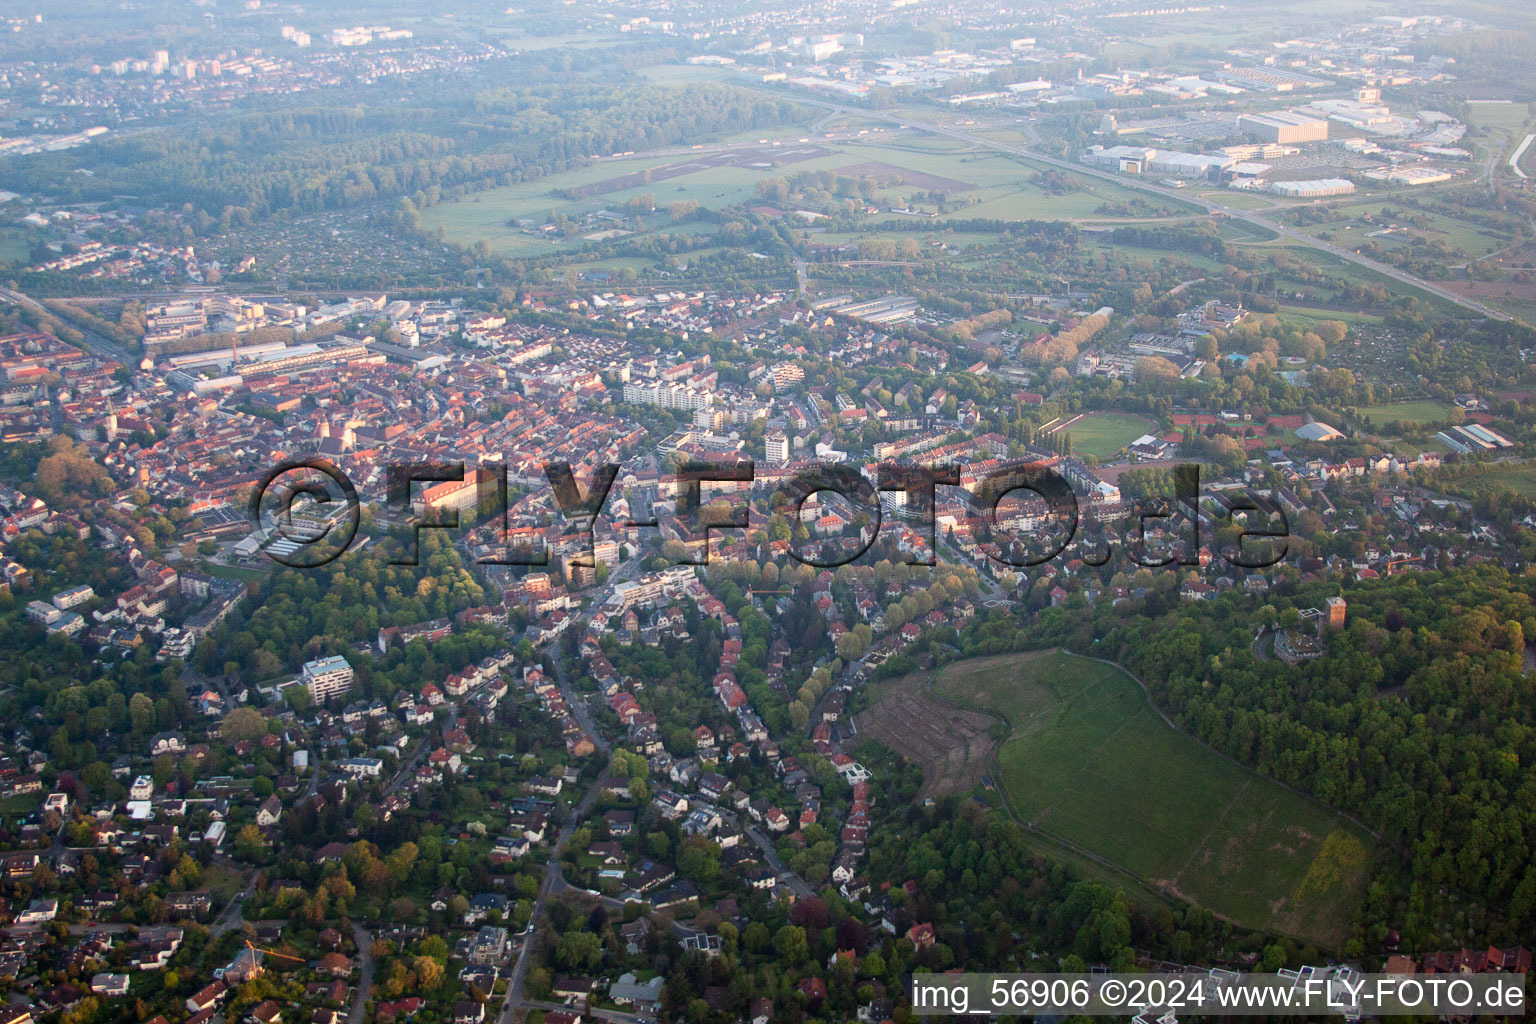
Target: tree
141, 712
578, 951
242, 724
248, 843
790, 944
429, 972
1332, 331
799, 715
698, 860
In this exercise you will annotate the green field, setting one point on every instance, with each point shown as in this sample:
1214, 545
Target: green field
1416, 413
1090, 761
1512, 117
1314, 315
683, 74
1352, 273
1240, 200
233, 572
14, 249
1000, 187
1102, 434
21, 804
1352, 230
1519, 478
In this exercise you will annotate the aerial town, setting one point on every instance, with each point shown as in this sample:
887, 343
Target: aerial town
672, 512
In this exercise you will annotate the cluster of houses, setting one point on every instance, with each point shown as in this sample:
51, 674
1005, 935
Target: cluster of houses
1465, 961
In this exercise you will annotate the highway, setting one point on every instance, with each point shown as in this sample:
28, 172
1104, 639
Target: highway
1134, 182
98, 343
1234, 213
1514, 159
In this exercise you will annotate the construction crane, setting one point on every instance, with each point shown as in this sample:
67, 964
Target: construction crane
270, 952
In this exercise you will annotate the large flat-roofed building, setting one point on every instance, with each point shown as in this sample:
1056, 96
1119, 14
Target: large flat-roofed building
1125, 159
1284, 126
324, 677
1472, 437
1269, 79
667, 395
1167, 161
1313, 189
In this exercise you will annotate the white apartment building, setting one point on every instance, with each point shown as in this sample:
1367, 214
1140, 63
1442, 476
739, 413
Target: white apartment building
667, 395
324, 677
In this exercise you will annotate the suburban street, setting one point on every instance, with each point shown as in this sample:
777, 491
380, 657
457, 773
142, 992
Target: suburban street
797, 884
554, 882
365, 977
231, 917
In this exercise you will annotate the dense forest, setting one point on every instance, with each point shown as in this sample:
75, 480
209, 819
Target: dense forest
1426, 733
308, 160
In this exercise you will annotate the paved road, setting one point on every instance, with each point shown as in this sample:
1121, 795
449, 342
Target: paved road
408, 767
795, 882
76, 928
578, 705
232, 916
1261, 644
554, 879
97, 343
554, 882
1234, 213
365, 978
596, 1013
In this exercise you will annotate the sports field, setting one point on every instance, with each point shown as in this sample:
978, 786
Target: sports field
1102, 434
1415, 413
1090, 760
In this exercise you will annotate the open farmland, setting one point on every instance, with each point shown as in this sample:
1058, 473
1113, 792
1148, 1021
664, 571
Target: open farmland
1511, 117
887, 175
1091, 762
